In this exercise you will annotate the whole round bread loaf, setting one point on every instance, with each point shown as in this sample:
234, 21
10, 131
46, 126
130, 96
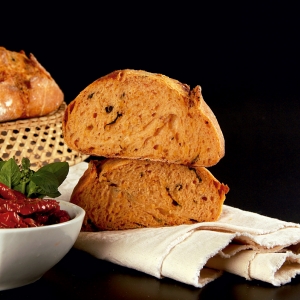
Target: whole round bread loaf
141, 115
26, 89
124, 194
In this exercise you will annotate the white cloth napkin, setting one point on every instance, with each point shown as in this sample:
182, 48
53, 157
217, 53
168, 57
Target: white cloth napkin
241, 242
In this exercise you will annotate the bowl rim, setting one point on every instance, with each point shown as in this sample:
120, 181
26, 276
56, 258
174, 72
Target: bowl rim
80, 212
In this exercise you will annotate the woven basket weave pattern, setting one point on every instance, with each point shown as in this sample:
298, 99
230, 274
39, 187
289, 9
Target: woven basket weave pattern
39, 139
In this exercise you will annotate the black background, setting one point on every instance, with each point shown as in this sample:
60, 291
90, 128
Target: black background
244, 56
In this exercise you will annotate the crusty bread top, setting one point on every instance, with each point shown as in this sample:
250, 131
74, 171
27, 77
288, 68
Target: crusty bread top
26, 89
141, 115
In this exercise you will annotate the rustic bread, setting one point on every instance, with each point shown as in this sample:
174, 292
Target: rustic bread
26, 89
141, 115
124, 194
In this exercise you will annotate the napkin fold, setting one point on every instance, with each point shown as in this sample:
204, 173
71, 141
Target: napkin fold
240, 242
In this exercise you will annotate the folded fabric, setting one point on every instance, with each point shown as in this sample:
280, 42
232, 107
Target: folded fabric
241, 242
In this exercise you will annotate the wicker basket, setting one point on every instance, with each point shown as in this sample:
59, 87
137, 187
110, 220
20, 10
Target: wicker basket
39, 139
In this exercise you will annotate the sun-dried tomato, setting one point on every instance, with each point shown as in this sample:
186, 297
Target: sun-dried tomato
17, 211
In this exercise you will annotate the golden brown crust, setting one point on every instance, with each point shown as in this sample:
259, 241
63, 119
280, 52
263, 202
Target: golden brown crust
140, 115
26, 89
123, 194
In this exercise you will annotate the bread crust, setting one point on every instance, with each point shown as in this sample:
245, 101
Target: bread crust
141, 115
120, 194
26, 89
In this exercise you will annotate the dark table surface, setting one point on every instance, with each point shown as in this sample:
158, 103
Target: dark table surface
261, 167
80, 276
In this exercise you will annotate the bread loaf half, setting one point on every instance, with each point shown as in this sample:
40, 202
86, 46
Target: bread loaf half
124, 194
141, 115
26, 89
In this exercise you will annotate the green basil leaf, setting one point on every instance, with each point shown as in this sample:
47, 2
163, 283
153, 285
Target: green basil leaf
25, 163
12, 172
59, 169
5, 179
2, 162
32, 190
46, 181
21, 187
51, 195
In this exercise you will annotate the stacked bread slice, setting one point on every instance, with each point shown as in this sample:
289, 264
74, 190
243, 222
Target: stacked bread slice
155, 138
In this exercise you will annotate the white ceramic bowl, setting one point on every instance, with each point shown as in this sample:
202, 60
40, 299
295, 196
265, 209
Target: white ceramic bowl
27, 253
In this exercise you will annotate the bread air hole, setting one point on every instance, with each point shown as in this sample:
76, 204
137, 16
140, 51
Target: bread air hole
162, 211
175, 203
178, 187
90, 96
193, 221
109, 109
